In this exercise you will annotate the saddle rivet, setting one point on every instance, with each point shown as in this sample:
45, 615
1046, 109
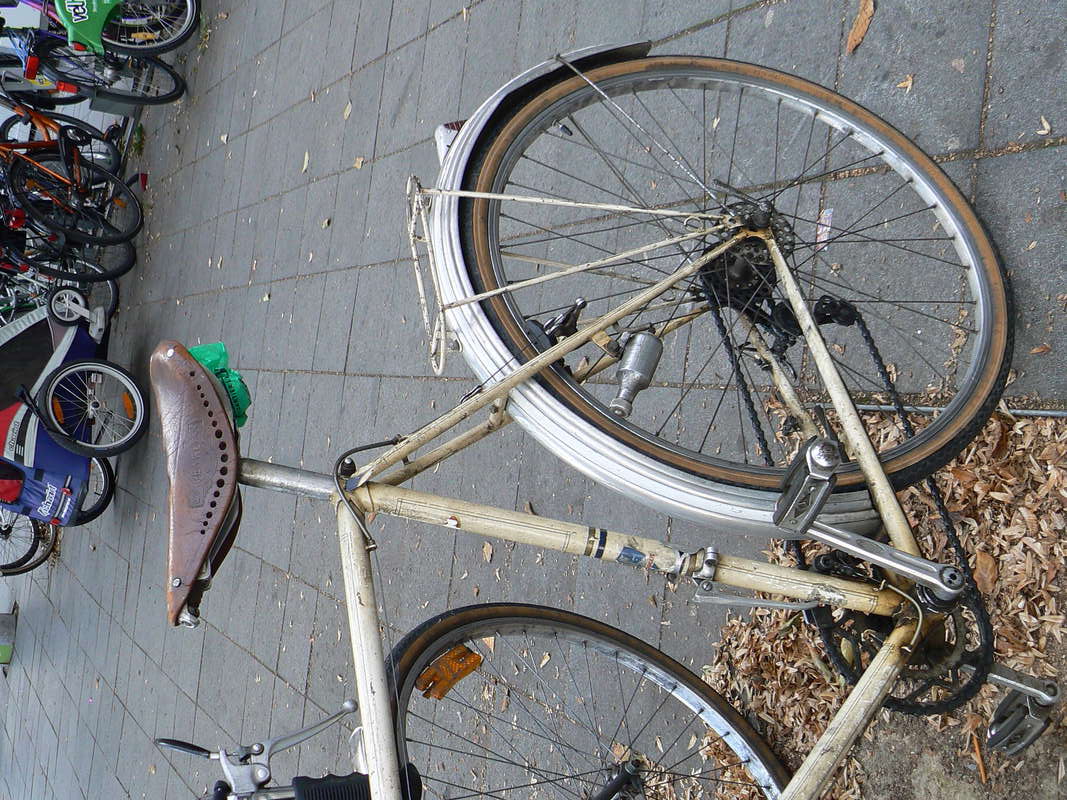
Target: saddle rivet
170, 352
176, 582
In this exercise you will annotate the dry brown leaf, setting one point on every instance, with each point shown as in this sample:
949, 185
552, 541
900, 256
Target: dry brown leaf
860, 25
1041, 349
1045, 129
359, 162
348, 110
985, 572
487, 551
307, 158
528, 507
906, 83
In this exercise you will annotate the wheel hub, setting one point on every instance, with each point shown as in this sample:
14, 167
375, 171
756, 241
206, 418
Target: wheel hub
747, 268
743, 278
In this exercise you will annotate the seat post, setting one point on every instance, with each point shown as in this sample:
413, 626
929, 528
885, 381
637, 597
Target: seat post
280, 478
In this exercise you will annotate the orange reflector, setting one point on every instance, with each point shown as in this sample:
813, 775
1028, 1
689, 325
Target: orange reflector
33, 63
81, 48
57, 410
63, 86
119, 202
127, 405
144, 36
447, 671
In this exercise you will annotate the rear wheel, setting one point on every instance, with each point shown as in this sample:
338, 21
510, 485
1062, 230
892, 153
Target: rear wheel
80, 263
142, 80
555, 704
98, 405
24, 543
86, 204
685, 144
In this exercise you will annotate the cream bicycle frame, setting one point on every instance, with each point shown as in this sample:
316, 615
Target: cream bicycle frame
367, 493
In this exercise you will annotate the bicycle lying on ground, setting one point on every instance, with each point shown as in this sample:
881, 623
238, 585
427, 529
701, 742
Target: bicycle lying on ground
780, 280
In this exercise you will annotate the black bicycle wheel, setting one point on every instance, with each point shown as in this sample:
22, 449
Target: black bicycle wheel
83, 202
100, 150
552, 701
80, 263
99, 493
142, 80
36, 539
144, 28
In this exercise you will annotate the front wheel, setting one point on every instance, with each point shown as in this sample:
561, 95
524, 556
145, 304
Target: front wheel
646, 166
558, 703
143, 28
141, 80
96, 405
99, 150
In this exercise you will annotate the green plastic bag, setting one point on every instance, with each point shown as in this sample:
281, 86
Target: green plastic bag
214, 357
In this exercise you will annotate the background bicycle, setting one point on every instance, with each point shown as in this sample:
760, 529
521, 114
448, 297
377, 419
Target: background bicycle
333, 188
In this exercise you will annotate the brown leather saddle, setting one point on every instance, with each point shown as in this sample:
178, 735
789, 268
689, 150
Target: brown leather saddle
202, 463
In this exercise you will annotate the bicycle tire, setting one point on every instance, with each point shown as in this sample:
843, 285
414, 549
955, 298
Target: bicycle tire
576, 426
46, 538
87, 263
103, 500
57, 400
116, 37
18, 540
551, 642
42, 196
94, 73
107, 157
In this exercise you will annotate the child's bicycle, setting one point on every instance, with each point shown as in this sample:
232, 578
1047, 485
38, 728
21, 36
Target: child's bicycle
778, 279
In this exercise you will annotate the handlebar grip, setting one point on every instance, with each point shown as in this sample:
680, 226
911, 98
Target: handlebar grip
355, 786
184, 747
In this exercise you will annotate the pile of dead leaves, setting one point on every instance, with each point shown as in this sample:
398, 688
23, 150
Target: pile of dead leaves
1006, 493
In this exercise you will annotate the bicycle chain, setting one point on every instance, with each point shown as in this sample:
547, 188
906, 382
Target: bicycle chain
746, 395
982, 659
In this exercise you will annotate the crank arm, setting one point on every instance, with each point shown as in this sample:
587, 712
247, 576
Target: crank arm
944, 580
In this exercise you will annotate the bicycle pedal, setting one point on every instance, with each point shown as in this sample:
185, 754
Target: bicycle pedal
1018, 721
807, 484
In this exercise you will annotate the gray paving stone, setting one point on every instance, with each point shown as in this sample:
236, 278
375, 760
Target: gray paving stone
336, 321
294, 647
781, 36
941, 49
360, 129
1028, 60
372, 33
400, 94
1020, 199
